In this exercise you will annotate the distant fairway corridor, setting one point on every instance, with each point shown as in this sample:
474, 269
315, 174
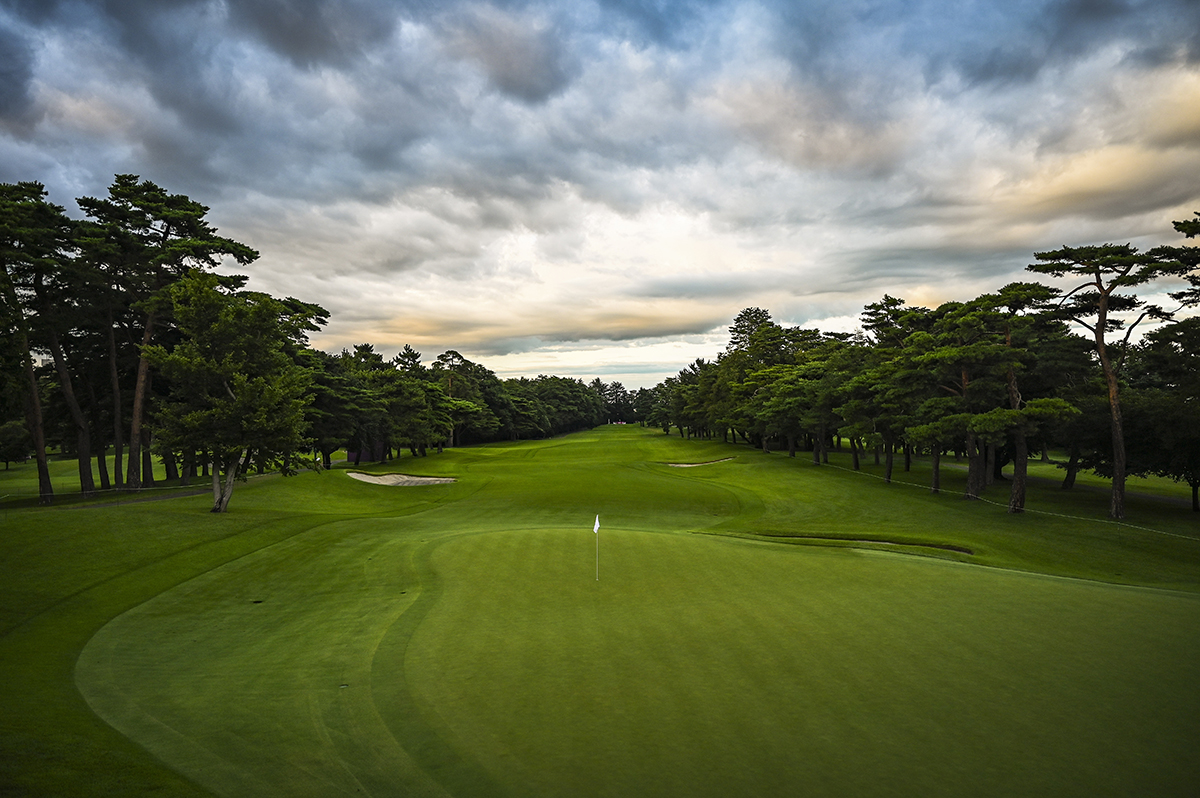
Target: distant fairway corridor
452, 640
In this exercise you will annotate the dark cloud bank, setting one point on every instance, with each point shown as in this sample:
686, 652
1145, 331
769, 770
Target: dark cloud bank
428, 141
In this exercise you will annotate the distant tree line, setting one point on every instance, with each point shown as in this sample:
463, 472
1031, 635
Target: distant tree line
119, 337
989, 380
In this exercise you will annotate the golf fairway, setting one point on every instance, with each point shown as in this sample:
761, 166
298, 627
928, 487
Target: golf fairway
463, 646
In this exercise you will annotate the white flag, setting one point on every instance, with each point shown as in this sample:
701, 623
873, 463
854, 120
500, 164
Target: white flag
596, 528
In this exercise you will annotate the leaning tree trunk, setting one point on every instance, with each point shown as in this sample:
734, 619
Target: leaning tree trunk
114, 379
1072, 468
33, 416
33, 402
133, 478
83, 434
223, 491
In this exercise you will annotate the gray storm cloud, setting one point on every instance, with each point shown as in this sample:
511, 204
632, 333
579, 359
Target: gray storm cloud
511, 177
521, 57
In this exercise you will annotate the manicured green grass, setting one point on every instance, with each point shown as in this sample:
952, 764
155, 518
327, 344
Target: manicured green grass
329, 636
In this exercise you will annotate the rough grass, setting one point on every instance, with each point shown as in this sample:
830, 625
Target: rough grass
330, 636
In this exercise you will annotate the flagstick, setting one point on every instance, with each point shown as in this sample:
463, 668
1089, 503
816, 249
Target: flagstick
596, 529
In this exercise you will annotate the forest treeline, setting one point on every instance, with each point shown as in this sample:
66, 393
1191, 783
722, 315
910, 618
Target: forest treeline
120, 337
990, 380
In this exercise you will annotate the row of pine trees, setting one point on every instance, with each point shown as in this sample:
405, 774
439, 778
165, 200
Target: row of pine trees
990, 380
120, 338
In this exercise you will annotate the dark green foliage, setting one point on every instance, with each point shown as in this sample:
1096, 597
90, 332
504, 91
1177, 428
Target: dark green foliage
991, 379
16, 444
140, 240
1166, 405
236, 391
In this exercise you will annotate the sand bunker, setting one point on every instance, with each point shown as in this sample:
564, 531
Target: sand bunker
403, 480
693, 465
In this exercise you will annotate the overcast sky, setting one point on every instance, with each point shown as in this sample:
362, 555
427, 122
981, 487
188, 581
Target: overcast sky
593, 188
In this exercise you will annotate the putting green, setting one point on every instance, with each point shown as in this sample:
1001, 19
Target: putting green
426, 656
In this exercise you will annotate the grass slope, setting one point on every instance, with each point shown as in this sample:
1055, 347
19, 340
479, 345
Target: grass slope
333, 637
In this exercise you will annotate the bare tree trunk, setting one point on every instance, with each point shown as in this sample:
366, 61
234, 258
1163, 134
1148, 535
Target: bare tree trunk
33, 415
230, 478
133, 478
115, 386
976, 468
1016, 495
83, 433
1117, 506
222, 492
147, 461
102, 468
94, 418
1072, 468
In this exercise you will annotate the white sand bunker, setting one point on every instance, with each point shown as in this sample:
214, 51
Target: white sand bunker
403, 480
693, 465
